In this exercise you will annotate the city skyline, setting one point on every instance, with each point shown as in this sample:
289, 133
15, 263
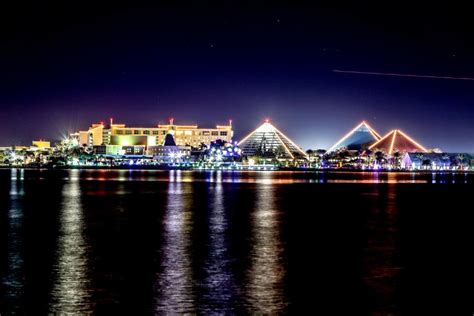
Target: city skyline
260, 157
230, 126
142, 65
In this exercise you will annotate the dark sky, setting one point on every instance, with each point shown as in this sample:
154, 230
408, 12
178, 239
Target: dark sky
64, 67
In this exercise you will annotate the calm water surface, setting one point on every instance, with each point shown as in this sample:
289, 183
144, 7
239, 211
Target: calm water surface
145, 242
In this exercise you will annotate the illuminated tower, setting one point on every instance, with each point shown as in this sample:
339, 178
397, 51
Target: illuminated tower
268, 142
396, 140
360, 137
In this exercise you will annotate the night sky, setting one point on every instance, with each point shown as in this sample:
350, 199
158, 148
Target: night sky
63, 68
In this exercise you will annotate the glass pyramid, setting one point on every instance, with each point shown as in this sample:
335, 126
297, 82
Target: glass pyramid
396, 140
361, 137
268, 142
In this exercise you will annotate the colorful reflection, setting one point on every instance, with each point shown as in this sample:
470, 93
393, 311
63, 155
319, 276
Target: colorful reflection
266, 272
219, 283
174, 288
14, 280
71, 292
382, 269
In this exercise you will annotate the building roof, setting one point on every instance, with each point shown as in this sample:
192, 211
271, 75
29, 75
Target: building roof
268, 141
169, 140
439, 159
359, 137
397, 141
442, 156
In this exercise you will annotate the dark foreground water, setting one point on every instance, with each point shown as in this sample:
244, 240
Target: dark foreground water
142, 242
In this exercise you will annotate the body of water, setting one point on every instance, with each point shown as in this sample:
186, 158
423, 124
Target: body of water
144, 242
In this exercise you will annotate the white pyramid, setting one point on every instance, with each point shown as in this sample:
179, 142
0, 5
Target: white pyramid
267, 141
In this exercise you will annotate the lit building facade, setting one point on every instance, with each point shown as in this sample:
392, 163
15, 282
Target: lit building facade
184, 135
169, 151
41, 144
437, 161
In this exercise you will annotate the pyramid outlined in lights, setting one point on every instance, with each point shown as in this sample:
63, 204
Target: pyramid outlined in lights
268, 141
396, 140
360, 137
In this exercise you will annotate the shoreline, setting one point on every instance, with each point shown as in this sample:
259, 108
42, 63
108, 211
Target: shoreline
281, 169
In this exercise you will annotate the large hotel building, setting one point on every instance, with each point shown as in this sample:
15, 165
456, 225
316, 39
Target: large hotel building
121, 135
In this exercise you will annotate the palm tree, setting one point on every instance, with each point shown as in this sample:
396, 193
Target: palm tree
321, 152
445, 160
460, 158
426, 163
420, 157
396, 158
379, 157
313, 157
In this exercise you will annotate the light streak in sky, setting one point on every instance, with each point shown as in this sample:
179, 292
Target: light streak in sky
399, 75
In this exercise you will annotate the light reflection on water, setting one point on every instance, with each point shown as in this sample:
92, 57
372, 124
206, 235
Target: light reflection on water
219, 284
174, 287
266, 272
382, 270
71, 286
13, 281
280, 177
237, 220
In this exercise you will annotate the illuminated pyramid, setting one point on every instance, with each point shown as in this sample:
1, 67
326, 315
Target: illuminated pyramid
395, 141
267, 141
361, 137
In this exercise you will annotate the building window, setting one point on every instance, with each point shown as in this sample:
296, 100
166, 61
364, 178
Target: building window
136, 132
215, 133
206, 133
128, 132
146, 132
223, 133
155, 132
119, 132
163, 132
